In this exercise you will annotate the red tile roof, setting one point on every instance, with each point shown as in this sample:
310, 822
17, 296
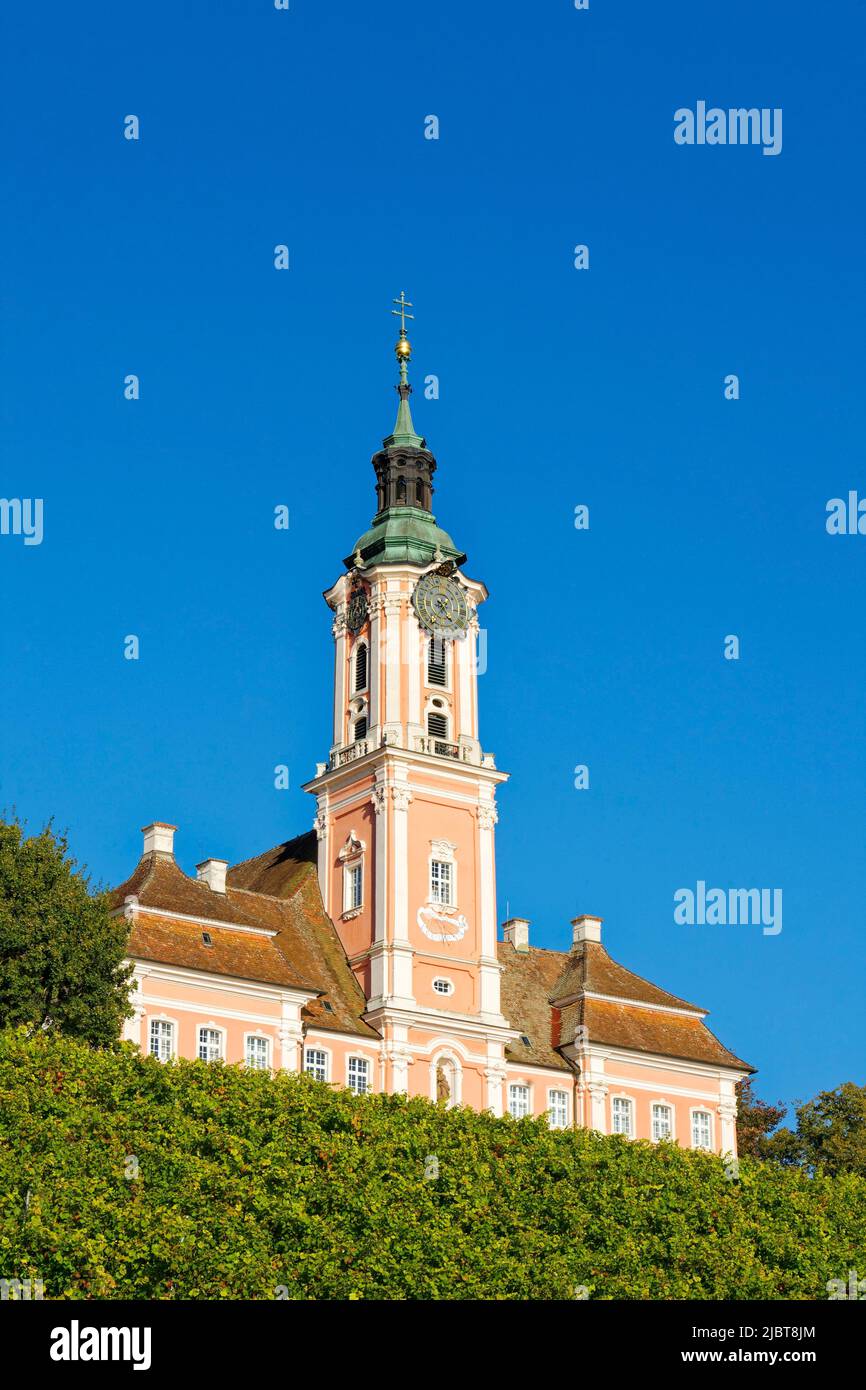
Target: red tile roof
536, 985
298, 946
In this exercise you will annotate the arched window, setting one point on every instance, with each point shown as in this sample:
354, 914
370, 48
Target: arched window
419, 492
401, 489
361, 667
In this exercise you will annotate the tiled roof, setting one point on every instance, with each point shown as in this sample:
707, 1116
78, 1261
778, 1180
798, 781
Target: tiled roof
304, 951
534, 981
589, 967
308, 938
279, 870
648, 1030
242, 955
527, 982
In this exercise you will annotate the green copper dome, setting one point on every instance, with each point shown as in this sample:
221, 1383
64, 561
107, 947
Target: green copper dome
404, 535
404, 529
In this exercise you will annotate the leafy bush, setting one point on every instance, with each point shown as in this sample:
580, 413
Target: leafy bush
254, 1187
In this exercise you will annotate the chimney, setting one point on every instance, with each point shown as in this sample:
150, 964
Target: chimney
516, 930
213, 873
585, 928
159, 838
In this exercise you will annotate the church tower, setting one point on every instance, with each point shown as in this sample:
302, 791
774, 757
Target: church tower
405, 802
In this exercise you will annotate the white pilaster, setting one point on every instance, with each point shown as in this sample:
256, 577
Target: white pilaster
375, 656
393, 671
340, 675
291, 1036
487, 819
597, 1105
401, 798
323, 861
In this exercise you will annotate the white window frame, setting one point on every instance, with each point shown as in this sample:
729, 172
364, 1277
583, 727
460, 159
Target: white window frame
352, 856
558, 1091
632, 1127
666, 1105
442, 980
314, 1047
702, 1110
442, 882
258, 1037
358, 1057
442, 852
353, 885
520, 1086
221, 1041
171, 1023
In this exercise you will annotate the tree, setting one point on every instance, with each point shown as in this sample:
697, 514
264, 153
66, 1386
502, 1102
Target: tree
831, 1130
61, 952
755, 1121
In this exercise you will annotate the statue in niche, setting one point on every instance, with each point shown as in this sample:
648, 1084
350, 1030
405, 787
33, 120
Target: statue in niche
443, 1089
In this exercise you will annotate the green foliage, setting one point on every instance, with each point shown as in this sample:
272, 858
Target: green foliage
755, 1122
249, 1184
830, 1132
61, 953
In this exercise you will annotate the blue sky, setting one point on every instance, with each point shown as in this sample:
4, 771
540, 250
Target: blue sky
558, 387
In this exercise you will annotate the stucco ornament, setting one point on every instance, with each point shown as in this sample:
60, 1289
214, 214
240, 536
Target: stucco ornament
454, 926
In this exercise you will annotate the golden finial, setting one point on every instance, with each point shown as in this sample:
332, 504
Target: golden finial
403, 348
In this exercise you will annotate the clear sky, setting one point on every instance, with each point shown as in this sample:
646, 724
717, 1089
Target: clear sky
558, 387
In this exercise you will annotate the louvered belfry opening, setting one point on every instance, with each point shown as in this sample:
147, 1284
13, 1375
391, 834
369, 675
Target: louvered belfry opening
360, 730
437, 725
437, 653
361, 667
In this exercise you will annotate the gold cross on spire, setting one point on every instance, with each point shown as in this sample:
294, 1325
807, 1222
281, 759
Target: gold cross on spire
400, 312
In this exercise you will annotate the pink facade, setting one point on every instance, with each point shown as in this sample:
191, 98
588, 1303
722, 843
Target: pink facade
369, 956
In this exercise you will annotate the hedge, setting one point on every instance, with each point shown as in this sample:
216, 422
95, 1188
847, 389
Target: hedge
121, 1177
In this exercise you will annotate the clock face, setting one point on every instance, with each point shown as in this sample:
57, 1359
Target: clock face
356, 610
441, 605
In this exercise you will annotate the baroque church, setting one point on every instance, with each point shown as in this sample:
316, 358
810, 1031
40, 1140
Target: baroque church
366, 951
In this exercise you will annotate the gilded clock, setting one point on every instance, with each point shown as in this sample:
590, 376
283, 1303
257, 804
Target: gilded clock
441, 605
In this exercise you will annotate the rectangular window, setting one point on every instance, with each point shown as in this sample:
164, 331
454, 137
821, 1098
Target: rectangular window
161, 1039
316, 1063
359, 1075
558, 1109
663, 1122
258, 1053
518, 1101
210, 1044
622, 1116
701, 1130
442, 882
355, 887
